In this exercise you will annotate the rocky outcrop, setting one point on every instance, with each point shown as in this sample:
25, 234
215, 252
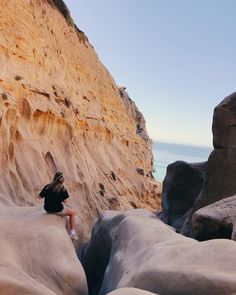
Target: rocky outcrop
217, 220
37, 256
130, 291
219, 182
135, 249
135, 114
182, 184
61, 110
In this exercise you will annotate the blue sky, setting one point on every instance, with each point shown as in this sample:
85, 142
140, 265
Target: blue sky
177, 58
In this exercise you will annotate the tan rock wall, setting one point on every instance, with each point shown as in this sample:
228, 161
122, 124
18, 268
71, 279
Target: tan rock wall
61, 110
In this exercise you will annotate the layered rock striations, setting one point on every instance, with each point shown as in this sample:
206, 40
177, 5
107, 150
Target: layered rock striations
61, 110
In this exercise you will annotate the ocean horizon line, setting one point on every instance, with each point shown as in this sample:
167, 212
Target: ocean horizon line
183, 144
166, 153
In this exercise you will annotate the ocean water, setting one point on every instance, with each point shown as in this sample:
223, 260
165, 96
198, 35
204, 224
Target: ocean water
167, 153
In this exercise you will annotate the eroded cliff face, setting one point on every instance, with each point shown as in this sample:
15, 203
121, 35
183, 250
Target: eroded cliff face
61, 110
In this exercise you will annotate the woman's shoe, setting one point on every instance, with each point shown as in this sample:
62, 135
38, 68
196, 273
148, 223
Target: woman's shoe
73, 235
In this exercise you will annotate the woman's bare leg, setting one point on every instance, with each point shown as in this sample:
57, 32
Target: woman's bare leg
71, 214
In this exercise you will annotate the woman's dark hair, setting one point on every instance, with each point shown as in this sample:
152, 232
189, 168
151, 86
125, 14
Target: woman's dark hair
56, 185
57, 176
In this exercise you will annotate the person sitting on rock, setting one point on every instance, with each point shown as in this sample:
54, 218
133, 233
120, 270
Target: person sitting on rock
55, 195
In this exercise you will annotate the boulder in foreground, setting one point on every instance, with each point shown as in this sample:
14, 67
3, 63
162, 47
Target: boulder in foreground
136, 249
217, 220
37, 256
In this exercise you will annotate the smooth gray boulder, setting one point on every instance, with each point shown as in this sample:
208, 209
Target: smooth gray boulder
221, 169
130, 291
136, 249
217, 220
182, 184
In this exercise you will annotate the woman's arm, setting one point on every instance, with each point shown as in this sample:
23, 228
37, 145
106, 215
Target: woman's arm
66, 203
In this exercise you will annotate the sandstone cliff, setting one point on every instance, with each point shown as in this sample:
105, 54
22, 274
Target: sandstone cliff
61, 110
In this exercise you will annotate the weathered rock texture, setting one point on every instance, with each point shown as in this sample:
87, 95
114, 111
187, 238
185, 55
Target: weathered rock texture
217, 220
37, 256
61, 110
182, 184
136, 249
220, 182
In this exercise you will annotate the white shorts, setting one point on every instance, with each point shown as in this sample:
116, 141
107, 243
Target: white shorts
62, 212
